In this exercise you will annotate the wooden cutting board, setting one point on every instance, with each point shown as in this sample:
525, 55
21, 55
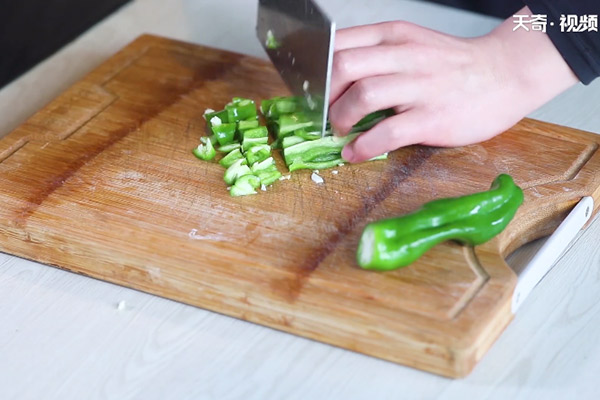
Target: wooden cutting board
102, 182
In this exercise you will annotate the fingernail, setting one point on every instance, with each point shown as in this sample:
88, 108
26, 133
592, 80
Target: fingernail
347, 153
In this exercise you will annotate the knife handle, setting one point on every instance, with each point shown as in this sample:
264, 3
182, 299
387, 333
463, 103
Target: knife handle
544, 259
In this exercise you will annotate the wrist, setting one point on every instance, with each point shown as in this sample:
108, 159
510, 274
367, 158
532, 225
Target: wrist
535, 67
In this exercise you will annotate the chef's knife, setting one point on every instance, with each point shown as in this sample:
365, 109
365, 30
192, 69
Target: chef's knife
298, 37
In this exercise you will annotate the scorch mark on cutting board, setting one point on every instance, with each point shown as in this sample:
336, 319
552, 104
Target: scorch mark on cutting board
397, 172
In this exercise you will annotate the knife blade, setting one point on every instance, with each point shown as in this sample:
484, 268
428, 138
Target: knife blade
298, 38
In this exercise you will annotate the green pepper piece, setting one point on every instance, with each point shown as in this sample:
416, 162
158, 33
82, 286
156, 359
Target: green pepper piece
258, 153
253, 133
236, 170
313, 135
229, 147
245, 185
205, 151
299, 164
269, 176
265, 104
247, 124
384, 156
471, 220
278, 106
240, 109
211, 138
224, 133
250, 142
216, 118
231, 158
289, 141
266, 164
320, 150
293, 122
271, 42
267, 171
371, 120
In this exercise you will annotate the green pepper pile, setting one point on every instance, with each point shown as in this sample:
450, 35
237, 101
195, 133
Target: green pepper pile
472, 220
244, 143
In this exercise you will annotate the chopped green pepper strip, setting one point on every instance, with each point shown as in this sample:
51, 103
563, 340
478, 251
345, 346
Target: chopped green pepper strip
299, 164
221, 118
292, 122
258, 153
245, 185
371, 120
205, 151
229, 147
247, 124
289, 141
253, 133
211, 138
240, 109
231, 158
236, 170
268, 176
267, 171
471, 220
224, 133
250, 142
321, 150
278, 106
263, 165
314, 135
384, 156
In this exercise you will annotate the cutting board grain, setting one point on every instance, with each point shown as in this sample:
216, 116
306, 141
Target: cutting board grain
102, 182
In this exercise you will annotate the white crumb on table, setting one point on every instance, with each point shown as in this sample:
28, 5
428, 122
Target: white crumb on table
122, 305
335, 172
317, 179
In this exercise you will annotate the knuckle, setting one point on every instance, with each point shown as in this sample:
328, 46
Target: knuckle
342, 65
334, 116
364, 93
396, 135
396, 29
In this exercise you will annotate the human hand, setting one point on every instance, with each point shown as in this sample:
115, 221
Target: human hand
447, 91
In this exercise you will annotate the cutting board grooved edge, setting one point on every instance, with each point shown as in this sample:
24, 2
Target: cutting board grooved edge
100, 110
483, 277
13, 148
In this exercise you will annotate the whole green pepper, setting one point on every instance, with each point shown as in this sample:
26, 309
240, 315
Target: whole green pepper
472, 220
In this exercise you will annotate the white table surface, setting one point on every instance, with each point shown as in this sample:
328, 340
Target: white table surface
62, 336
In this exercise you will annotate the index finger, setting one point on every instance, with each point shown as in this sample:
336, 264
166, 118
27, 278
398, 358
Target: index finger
371, 35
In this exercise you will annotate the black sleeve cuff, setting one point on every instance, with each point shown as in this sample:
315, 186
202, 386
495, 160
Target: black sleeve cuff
581, 50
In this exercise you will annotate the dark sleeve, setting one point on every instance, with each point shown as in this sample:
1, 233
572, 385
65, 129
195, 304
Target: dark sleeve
581, 50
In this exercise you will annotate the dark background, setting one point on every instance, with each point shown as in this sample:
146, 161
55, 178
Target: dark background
31, 30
